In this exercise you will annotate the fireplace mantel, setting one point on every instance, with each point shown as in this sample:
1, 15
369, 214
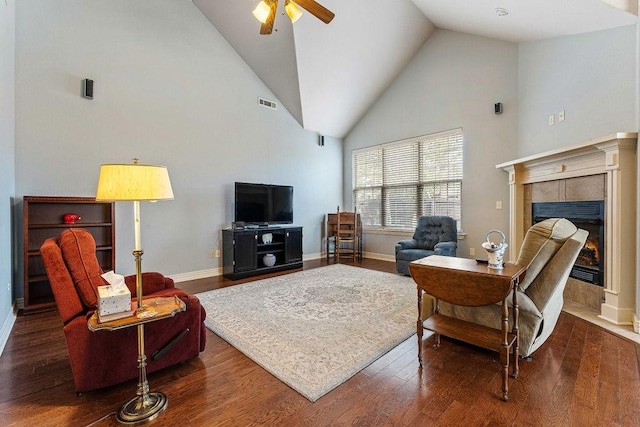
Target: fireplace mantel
615, 156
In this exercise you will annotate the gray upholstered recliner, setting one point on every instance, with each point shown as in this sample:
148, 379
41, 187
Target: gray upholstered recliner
434, 235
549, 250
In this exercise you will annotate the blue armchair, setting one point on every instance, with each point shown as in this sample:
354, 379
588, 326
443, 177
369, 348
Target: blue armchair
434, 235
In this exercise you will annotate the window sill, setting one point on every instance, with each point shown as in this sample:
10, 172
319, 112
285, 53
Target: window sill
400, 232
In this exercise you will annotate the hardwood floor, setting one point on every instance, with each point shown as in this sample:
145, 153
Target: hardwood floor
582, 376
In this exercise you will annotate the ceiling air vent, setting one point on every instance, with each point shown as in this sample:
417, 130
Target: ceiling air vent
267, 103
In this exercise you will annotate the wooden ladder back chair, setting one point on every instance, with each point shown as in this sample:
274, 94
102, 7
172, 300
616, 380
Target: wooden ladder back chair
358, 235
346, 244
332, 224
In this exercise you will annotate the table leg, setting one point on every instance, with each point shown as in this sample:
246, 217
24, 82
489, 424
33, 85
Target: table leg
419, 326
436, 310
145, 406
504, 354
504, 360
516, 332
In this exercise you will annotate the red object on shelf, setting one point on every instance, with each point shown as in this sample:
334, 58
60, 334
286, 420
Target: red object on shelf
71, 218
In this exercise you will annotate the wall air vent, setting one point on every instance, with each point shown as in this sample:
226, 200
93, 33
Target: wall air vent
267, 103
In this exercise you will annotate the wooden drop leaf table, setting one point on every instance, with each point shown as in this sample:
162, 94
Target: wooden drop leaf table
465, 282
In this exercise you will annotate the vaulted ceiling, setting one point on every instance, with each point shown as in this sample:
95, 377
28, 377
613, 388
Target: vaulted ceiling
328, 76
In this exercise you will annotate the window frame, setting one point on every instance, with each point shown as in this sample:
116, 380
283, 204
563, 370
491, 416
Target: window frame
373, 181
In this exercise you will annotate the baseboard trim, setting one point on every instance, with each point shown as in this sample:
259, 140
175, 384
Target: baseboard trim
195, 275
380, 257
7, 326
212, 272
311, 257
616, 315
370, 255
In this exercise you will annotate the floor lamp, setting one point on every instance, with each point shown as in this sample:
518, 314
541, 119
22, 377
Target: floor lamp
136, 182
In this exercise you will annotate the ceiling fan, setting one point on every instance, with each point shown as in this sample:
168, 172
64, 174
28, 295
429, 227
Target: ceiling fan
265, 12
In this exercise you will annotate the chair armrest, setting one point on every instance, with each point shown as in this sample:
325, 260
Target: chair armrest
151, 282
445, 248
525, 304
406, 244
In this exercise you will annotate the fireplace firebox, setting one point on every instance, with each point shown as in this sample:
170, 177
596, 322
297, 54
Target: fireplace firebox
588, 215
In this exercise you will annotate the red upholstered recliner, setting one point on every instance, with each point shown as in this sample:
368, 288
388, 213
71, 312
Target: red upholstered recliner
103, 358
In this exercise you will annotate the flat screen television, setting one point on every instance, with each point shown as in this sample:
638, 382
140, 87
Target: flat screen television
263, 204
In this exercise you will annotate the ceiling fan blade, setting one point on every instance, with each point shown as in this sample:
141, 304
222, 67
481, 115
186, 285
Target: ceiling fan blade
317, 10
267, 27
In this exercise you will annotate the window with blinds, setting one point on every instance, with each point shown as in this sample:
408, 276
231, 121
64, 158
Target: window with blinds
395, 183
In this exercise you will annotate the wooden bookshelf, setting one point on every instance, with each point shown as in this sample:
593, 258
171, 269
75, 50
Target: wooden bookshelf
43, 217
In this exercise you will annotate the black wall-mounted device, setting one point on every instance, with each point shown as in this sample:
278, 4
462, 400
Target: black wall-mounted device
321, 140
497, 108
87, 88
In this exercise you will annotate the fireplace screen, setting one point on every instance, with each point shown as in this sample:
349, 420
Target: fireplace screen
589, 216
590, 254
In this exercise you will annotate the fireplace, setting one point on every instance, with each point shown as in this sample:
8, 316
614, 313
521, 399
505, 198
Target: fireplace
550, 177
588, 215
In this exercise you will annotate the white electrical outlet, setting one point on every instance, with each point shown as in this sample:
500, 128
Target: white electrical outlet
499, 204
217, 253
561, 116
552, 120
212, 254
472, 252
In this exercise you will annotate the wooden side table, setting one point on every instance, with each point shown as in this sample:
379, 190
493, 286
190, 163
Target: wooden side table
463, 281
145, 406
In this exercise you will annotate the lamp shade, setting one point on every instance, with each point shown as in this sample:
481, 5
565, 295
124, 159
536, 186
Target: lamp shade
134, 182
262, 11
293, 11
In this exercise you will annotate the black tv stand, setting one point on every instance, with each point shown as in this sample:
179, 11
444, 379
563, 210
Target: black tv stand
243, 251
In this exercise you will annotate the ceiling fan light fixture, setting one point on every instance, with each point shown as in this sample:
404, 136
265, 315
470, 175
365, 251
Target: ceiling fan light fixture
292, 10
261, 12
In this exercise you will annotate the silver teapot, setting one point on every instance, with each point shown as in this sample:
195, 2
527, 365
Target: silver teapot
495, 251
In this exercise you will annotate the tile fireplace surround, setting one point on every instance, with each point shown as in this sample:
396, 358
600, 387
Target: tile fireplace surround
598, 169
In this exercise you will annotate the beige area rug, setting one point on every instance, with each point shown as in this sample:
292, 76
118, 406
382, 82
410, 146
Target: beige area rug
316, 328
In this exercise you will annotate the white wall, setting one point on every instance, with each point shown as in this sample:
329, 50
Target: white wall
591, 76
7, 186
453, 81
168, 90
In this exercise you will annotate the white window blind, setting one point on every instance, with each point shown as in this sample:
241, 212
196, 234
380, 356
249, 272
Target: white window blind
395, 183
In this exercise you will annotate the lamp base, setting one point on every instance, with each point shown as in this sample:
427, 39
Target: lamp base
137, 411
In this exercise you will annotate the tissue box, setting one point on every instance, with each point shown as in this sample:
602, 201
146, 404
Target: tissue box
113, 300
